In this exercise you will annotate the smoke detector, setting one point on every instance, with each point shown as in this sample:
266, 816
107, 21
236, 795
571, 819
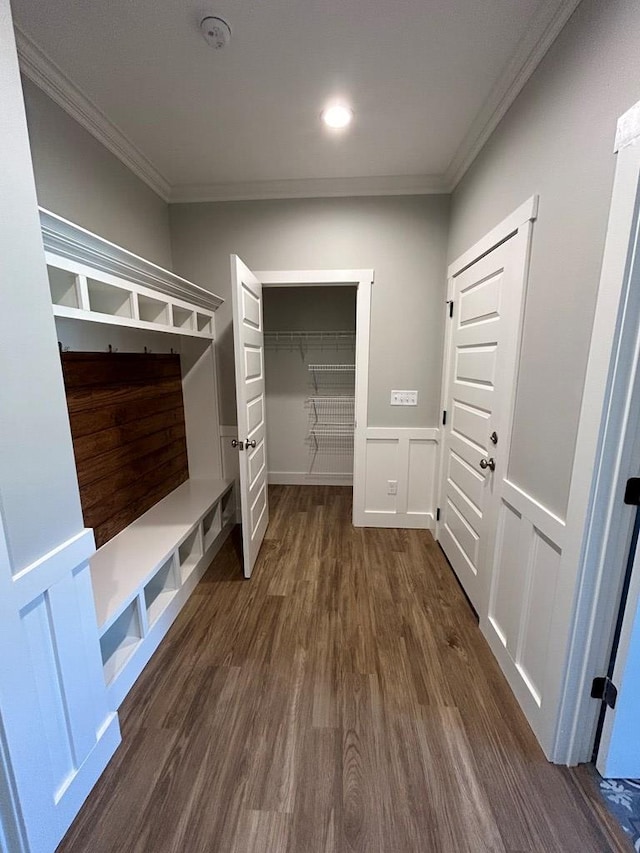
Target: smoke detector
215, 32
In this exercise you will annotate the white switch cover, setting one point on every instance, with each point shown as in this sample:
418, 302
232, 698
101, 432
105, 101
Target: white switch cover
404, 398
392, 487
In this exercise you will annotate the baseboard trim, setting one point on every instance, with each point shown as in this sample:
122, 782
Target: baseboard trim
400, 520
301, 478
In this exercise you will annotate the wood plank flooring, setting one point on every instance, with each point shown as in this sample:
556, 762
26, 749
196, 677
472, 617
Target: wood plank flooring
341, 700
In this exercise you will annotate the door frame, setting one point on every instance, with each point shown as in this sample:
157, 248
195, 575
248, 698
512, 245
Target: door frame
598, 523
519, 222
362, 280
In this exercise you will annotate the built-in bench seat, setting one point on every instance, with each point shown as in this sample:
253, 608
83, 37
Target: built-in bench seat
144, 575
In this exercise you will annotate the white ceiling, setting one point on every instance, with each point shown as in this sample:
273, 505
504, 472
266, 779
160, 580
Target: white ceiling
427, 80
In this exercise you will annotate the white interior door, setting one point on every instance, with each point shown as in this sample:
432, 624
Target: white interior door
477, 409
248, 338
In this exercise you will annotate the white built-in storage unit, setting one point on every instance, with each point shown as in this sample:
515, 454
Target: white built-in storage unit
142, 576
93, 280
310, 377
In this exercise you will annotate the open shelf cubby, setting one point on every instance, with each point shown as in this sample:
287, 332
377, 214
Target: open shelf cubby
108, 299
120, 640
203, 322
211, 526
183, 318
64, 287
153, 310
160, 590
228, 507
189, 552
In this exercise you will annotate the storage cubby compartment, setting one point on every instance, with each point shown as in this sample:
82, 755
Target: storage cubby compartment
153, 310
160, 590
183, 318
63, 286
211, 526
190, 552
120, 641
204, 323
228, 507
107, 299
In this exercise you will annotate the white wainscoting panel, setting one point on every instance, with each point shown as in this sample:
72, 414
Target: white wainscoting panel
529, 544
408, 456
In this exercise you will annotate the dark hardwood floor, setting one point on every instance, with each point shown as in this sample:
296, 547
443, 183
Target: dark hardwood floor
342, 700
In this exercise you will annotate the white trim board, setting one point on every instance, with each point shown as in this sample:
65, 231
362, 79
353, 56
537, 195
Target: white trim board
383, 185
541, 32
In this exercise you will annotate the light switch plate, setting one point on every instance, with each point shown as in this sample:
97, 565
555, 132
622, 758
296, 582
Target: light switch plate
404, 398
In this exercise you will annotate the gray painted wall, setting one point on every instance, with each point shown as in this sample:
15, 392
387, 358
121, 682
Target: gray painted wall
78, 178
557, 140
402, 238
39, 499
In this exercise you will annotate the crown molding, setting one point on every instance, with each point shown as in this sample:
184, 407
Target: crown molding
541, 33
543, 30
388, 185
41, 70
68, 240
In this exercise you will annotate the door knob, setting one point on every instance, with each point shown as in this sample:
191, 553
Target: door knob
238, 444
489, 463
249, 444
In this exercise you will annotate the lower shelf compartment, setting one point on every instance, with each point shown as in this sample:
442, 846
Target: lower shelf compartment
160, 590
120, 641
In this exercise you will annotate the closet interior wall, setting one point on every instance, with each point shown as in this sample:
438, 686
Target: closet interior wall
309, 375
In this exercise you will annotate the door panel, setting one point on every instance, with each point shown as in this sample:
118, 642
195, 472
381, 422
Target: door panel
249, 363
472, 397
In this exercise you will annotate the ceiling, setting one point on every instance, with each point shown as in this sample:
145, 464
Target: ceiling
427, 79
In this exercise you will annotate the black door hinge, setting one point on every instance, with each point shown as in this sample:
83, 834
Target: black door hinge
451, 307
438, 514
604, 689
632, 492
444, 417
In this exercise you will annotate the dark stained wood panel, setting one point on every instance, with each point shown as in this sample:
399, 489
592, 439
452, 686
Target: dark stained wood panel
341, 700
127, 423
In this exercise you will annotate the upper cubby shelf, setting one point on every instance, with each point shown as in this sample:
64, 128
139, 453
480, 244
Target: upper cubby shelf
95, 280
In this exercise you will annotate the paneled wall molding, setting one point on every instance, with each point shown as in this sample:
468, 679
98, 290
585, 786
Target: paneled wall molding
547, 522
65, 239
36, 578
528, 554
404, 459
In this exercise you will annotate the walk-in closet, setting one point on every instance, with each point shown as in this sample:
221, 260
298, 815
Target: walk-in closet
310, 335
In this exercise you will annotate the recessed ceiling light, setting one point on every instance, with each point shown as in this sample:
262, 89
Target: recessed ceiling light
337, 116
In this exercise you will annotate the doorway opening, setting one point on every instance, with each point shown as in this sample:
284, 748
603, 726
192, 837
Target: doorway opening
310, 336
329, 422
